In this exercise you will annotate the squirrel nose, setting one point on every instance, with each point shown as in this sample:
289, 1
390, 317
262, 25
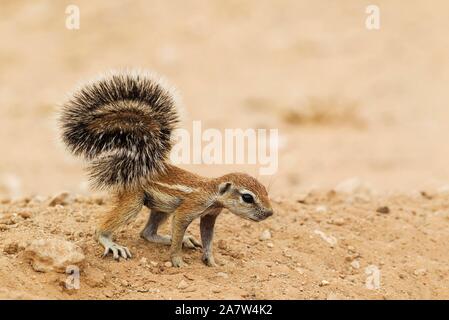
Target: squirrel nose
269, 213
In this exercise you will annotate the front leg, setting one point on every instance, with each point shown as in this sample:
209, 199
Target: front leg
150, 234
207, 224
181, 221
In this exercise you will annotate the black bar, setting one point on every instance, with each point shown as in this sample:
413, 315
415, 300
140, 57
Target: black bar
225, 309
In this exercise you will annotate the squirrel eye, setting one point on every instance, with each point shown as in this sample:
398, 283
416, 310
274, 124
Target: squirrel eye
247, 198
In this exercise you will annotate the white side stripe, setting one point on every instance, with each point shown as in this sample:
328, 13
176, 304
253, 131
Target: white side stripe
178, 187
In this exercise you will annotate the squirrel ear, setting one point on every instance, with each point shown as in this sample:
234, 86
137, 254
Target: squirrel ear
224, 187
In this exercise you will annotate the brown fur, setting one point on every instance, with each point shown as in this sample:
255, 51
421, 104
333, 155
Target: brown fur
122, 124
187, 196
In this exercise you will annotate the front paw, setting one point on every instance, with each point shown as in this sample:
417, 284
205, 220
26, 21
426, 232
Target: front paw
177, 261
209, 260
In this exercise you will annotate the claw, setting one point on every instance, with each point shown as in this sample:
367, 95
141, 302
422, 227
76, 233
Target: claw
122, 252
128, 252
188, 244
195, 242
115, 253
116, 250
191, 243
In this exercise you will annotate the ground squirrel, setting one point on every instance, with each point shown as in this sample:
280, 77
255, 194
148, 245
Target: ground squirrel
122, 124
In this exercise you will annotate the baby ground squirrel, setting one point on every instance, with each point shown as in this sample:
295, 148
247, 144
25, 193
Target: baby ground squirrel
122, 124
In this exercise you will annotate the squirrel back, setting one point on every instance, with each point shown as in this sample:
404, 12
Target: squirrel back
122, 125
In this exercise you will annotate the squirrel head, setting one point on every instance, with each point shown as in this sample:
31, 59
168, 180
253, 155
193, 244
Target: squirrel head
244, 196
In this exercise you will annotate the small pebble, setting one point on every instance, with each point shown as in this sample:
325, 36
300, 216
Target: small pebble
321, 209
5, 201
223, 275
300, 270
168, 264
286, 253
337, 221
384, 210
222, 244
124, 283
60, 199
11, 248
324, 283
355, 264
182, 284
143, 261
331, 240
420, 272
270, 245
25, 214
265, 235
108, 293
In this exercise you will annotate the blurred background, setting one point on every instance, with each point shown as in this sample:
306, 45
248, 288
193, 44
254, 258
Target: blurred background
348, 101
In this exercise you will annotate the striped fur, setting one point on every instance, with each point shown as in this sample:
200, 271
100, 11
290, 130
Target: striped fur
122, 124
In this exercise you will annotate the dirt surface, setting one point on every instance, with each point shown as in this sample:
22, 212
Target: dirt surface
361, 190
322, 246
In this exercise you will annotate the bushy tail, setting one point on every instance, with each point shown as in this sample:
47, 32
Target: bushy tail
122, 124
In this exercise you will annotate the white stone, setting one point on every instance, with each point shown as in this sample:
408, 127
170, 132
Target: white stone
321, 209
420, 272
182, 284
53, 255
265, 235
143, 261
324, 283
331, 240
223, 275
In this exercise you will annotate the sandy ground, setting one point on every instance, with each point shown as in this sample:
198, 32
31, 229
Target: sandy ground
323, 245
348, 103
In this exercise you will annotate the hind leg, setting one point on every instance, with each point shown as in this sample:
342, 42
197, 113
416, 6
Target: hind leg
125, 208
150, 234
150, 231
